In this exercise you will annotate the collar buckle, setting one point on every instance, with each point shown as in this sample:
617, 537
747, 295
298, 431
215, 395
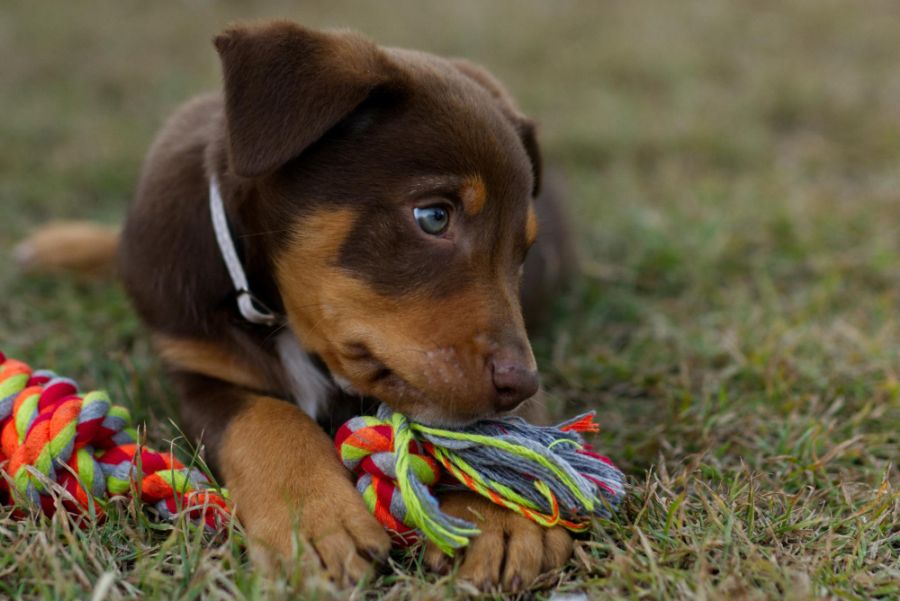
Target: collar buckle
254, 310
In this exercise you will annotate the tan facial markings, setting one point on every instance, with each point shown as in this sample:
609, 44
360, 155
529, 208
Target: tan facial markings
473, 194
424, 356
531, 225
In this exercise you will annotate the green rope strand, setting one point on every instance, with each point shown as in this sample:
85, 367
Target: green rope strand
447, 535
515, 450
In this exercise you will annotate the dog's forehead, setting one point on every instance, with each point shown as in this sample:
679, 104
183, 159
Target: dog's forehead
459, 125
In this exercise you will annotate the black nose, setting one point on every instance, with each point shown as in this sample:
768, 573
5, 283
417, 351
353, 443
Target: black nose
514, 383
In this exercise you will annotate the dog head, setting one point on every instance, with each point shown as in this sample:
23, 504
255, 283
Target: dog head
399, 188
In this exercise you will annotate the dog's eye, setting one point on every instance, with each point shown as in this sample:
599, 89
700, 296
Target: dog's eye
433, 220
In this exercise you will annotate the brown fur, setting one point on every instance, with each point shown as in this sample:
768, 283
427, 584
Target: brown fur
269, 74
208, 359
69, 246
531, 226
323, 143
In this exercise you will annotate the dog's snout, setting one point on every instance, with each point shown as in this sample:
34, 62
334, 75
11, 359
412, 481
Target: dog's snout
514, 382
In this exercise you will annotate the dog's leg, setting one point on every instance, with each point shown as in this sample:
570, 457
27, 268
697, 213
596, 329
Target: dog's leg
284, 476
511, 550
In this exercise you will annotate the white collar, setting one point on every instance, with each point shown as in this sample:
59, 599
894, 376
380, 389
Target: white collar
251, 308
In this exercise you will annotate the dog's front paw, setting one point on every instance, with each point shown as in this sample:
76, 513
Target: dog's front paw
345, 536
508, 543
284, 476
331, 518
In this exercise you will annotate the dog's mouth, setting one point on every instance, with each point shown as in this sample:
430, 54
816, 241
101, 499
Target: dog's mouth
368, 374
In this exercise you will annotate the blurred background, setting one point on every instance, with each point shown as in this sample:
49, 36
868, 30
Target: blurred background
734, 177
732, 168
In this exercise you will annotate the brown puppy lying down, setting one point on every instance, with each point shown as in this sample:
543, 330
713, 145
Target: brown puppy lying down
381, 203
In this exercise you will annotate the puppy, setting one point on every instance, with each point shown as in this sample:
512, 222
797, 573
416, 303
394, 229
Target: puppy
375, 207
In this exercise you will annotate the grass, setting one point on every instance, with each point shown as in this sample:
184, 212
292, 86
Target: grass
734, 171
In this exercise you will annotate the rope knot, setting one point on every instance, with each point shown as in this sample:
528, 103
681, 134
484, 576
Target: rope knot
366, 446
51, 433
399, 464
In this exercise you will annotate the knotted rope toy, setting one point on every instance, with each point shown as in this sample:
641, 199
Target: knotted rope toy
547, 474
49, 432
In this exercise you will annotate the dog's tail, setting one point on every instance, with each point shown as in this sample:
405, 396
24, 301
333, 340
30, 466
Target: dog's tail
73, 246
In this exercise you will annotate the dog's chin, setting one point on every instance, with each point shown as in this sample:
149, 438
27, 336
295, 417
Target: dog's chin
438, 419
370, 376
400, 395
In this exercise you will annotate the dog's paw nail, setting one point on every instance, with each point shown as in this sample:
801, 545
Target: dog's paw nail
441, 566
376, 554
516, 584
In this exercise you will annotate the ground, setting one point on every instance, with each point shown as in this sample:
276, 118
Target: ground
734, 171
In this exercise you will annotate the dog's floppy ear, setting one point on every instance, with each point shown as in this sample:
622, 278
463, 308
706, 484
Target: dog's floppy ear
524, 125
285, 86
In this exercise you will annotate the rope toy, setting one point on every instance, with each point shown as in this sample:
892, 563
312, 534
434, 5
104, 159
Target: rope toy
49, 432
547, 474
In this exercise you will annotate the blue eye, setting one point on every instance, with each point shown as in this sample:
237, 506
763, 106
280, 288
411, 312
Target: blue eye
433, 220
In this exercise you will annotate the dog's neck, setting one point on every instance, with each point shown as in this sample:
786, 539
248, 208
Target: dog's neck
311, 385
250, 307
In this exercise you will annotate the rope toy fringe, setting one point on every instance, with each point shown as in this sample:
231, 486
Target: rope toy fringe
51, 432
547, 474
